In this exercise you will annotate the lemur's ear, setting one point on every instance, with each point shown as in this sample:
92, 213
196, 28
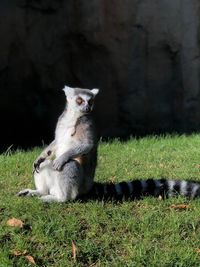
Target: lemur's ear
69, 91
95, 91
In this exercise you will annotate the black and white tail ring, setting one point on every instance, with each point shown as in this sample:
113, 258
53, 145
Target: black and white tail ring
150, 187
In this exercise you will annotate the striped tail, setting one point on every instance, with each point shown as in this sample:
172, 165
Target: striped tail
139, 188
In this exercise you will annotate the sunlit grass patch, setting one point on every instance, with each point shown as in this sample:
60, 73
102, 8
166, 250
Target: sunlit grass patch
147, 232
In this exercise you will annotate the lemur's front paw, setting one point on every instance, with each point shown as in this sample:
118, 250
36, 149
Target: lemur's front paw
58, 164
36, 165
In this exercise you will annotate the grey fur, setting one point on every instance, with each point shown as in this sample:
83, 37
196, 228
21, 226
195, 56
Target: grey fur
65, 169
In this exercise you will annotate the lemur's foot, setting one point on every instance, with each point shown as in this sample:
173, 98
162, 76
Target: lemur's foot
24, 192
28, 193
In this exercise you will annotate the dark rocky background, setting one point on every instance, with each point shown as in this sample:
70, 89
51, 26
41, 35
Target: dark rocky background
143, 55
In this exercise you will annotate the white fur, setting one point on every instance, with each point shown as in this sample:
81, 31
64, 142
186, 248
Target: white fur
64, 131
95, 91
194, 190
183, 189
64, 141
51, 184
69, 91
54, 187
46, 178
171, 185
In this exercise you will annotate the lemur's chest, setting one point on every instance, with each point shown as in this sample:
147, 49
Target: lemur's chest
65, 134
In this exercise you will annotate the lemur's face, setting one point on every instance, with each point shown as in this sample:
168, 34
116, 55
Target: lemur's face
80, 100
84, 103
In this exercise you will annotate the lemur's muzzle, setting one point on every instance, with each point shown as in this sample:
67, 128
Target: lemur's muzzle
87, 109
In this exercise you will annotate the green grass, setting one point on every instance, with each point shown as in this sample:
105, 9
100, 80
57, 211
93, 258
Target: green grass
133, 233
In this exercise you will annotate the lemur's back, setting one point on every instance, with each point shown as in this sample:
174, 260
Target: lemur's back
86, 132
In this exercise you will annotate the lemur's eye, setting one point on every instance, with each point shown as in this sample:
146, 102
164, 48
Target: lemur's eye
79, 100
90, 102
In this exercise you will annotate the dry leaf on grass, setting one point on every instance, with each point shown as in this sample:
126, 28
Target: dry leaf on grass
15, 223
18, 253
197, 250
93, 264
74, 250
179, 206
30, 259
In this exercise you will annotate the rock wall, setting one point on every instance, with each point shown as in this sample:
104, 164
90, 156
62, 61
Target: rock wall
143, 55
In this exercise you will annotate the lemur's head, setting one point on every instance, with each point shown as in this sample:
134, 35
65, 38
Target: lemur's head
80, 100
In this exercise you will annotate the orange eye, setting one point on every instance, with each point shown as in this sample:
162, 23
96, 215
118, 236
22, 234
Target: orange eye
79, 100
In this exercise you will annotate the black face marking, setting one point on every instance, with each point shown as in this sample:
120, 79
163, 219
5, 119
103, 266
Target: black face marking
90, 101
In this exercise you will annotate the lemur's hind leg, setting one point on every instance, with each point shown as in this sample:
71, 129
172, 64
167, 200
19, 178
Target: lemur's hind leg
40, 179
66, 185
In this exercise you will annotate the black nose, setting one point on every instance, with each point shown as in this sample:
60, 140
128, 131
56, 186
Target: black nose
87, 109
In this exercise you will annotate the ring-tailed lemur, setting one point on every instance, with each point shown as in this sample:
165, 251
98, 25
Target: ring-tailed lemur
66, 168
70, 175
